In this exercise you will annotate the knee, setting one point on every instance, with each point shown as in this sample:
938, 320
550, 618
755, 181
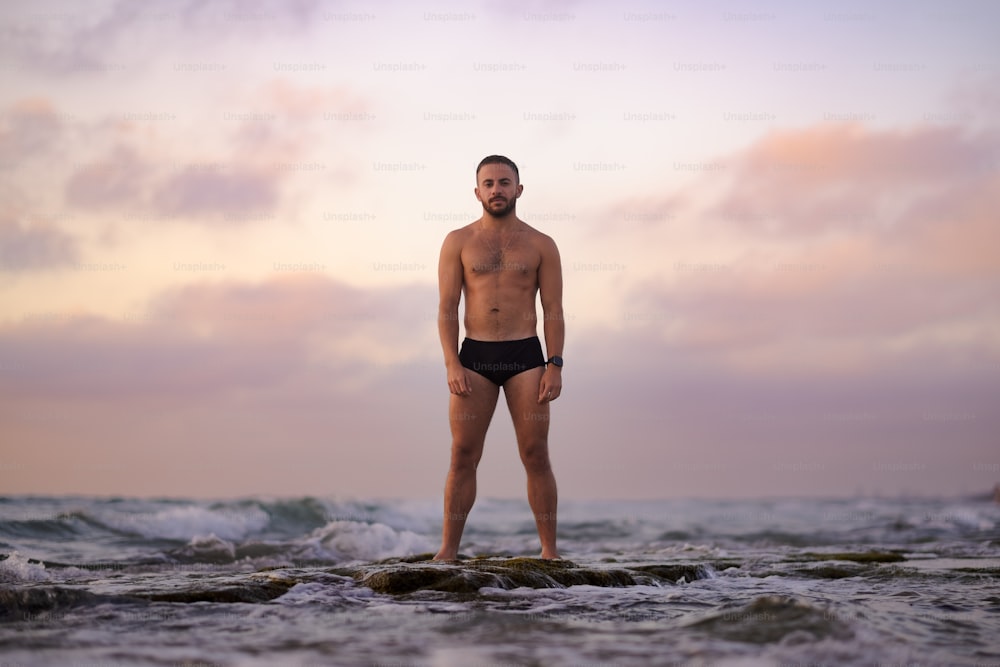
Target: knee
535, 456
465, 456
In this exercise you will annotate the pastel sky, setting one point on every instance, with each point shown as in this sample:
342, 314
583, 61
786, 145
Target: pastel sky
220, 222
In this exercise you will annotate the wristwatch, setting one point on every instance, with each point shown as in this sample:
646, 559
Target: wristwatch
556, 361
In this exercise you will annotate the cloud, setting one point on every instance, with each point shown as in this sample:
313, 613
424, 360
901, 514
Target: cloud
28, 128
846, 177
655, 414
71, 42
197, 192
206, 338
300, 102
303, 384
137, 179
240, 176
298, 383
35, 247
117, 179
74, 43
822, 250
539, 10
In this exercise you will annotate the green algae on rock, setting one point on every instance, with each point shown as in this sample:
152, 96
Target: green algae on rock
857, 557
246, 592
468, 577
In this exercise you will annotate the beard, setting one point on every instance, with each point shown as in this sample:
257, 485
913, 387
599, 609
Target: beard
500, 212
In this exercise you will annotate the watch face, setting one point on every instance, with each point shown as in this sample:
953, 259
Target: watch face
556, 361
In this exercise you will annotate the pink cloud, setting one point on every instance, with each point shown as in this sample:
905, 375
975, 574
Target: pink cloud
235, 192
134, 177
310, 102
248, 378
845, 177
241, 181
86, 42
207, 338
117, 179
840, 247
289, 386
126, 179
34, 247
28, 128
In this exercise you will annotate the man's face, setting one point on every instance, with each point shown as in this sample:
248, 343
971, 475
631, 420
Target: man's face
498, 189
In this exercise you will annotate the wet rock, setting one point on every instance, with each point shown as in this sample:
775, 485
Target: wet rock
442, 577
857, 557
774, 619
506, 573
260, 591
39, 603
833, 570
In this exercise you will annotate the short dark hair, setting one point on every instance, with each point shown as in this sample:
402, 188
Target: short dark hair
498, 159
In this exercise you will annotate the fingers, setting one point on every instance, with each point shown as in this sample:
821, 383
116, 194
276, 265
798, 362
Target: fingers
460, 386
547, 394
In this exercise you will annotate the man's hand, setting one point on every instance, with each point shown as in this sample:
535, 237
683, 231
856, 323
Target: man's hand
458, 380
551, 385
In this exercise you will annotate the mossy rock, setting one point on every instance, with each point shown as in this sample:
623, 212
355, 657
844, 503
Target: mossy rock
544, 573
858, 557
470, 576
258, 592
833, 571
35, 603
398, 581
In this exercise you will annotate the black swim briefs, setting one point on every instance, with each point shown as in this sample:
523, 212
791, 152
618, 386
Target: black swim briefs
499, 361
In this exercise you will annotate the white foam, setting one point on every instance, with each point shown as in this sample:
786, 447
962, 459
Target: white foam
346, 541
209, 547
16, 568
185, 523
313, 592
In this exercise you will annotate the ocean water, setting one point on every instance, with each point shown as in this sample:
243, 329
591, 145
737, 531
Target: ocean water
323, 581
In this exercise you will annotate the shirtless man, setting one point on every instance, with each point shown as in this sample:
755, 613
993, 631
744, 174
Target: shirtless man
500, 263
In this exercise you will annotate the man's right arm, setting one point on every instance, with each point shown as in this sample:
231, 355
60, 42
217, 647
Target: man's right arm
450, 278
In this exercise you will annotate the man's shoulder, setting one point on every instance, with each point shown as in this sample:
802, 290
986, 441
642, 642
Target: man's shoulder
459, 235
539, 236
464, 230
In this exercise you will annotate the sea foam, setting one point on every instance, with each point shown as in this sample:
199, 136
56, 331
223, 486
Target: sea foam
190, 521
345, 541
17, 568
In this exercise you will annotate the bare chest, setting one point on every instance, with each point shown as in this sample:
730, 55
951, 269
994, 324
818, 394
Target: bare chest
514, 260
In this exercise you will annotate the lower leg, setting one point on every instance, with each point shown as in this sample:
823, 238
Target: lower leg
459, 496
543, 498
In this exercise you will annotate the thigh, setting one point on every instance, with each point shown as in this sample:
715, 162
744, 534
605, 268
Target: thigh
531, 418
470, 415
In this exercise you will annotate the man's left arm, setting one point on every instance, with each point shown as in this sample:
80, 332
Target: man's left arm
554, 325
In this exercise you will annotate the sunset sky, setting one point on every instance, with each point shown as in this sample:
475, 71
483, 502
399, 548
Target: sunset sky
220, 222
